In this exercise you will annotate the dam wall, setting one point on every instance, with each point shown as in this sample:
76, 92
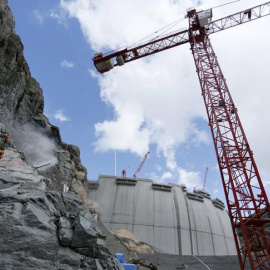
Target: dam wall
167, 217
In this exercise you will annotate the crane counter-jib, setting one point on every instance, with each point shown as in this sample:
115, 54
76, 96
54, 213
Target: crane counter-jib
106, 63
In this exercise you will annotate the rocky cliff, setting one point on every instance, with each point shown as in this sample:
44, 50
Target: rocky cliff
21, 110
41, 226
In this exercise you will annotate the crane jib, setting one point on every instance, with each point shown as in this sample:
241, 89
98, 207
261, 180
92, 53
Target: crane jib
105, 63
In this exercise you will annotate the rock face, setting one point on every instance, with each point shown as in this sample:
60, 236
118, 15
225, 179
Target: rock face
21, 110
48, 230
41, 227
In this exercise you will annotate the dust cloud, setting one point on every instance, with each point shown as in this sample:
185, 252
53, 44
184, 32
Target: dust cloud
36, 145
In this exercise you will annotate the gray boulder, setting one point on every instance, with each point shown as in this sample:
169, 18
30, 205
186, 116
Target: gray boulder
41, 229
65, 232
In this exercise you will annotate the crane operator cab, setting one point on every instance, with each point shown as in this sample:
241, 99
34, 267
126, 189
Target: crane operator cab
205, 17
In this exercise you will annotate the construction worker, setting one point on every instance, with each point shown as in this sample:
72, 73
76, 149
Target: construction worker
2, 152
4, 137
7, 136
2, 140
124, 173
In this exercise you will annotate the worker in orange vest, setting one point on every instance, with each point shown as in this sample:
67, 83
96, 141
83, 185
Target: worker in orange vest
2, 152
7, 136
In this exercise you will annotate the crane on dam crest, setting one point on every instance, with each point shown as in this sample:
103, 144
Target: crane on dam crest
140, 165
246, 198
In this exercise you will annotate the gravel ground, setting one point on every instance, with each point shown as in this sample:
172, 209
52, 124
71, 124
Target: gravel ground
171, 262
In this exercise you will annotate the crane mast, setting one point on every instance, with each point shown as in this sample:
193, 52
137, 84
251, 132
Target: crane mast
141, 164
245, 194
247, 202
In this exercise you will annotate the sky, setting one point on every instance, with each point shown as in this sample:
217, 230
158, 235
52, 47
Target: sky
152, 104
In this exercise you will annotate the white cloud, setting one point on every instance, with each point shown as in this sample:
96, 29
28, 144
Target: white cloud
93, 73
60, 115
103, 18
152, 103
166, 176
60, 15
157, 99
57, 13
67, 64
39, 16
190, 179
119, 134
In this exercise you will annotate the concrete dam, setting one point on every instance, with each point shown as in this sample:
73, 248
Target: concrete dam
167, 217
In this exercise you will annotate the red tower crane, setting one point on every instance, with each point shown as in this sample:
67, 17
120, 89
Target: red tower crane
141, 164
247, 202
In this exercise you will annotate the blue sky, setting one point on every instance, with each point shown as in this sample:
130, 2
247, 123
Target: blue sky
150, 104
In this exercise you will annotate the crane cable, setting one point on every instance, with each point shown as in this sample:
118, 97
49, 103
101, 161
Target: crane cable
139, 41
226, 4
171, 25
